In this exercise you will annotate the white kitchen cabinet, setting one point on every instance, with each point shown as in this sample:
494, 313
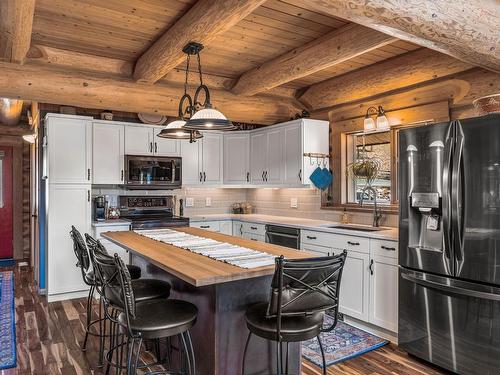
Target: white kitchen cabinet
254, 237
68, 204
226, 227
355, 285
274, 168
293, 156
143, 140
107, 153
202, 160
112, 248
258, 157
319, 250
213, 226
236, 158
384, 293
211, 163
69, 149
237, 228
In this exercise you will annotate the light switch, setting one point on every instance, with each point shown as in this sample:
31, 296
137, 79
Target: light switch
208, 201
294, 202
189, 202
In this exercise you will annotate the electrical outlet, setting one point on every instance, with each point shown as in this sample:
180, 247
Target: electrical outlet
189, 202
294, 202
208, 201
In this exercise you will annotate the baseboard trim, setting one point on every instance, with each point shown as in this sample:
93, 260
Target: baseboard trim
373, 329
66, 296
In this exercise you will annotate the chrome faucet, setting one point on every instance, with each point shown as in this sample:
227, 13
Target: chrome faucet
377, 215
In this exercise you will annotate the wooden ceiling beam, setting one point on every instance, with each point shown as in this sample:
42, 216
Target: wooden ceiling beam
333, 48
202, 23
16, 24
405, 70
97, 90
465, 29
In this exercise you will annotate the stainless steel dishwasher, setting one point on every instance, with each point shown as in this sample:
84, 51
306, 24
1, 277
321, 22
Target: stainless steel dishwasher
283, 236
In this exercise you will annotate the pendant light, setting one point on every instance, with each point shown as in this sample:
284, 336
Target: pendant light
205, 117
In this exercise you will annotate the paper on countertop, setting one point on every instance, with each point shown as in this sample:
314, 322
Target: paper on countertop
232, 254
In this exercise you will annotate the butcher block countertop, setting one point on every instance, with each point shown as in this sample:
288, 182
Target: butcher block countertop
197, 269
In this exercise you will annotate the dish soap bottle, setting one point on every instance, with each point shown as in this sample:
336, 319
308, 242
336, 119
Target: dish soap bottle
345, 217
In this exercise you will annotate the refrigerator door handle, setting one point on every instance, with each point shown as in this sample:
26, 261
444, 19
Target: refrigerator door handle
457, 196
450, 288
446, 199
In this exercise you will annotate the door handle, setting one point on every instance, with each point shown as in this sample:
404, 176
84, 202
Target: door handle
457, 193
204, 177
388, 248
254, 228
201, 177
122, 175
88, 195
88, 174
156, 147
248, 176
204, 226
446, 194
263, 176
353, 243
300, 174
371, 267
311, 237
151, 147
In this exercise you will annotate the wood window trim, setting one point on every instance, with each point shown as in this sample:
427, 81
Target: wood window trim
334, 198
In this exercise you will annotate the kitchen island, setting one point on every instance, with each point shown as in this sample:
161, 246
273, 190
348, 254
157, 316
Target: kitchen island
221, 291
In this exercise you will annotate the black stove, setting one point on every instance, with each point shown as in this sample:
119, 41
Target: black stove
149, 212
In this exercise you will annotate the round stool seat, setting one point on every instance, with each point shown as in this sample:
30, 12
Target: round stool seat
161, 318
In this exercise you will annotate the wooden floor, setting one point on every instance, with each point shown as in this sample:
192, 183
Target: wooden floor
49, 337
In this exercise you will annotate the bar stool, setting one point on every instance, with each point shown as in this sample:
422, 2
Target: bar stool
144, 289
88, 276
302, 290
149, 320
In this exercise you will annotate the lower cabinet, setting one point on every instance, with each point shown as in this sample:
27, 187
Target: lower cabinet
254, 237
384, 293
226, 227
320, 250
237, 228
112, 248
213, 226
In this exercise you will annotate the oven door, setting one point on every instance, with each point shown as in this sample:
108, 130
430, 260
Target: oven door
283, 236
150, 172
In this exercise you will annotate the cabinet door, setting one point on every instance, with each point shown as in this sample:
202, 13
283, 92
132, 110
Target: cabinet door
164, 146
115, 249
68, 205
69, 145
384, 293
226, 227
191, 168
318, 250
236, 158
138, 140
237, 229
274, 170
212, 158
213, 226
107, 153
354, 286
292, 161
258, 157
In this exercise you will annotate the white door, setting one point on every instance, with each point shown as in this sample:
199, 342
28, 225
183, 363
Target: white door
139, 140
68, 205
191, 163
69, 144
258, 157
292, 139
212, 149
274, 170
107, 153
236, 158
164, 146
354, 286
384, 293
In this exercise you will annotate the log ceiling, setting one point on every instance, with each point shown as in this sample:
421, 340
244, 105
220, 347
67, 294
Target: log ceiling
265, 59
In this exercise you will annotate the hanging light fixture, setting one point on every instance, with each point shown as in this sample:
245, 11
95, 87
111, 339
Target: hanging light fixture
176, 129
380, 123
204, 116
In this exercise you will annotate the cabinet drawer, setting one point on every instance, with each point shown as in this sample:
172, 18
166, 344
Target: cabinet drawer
315, 238
213, 226
259, 229
316, 250
254, 237
110, 228
336, 241
384, 248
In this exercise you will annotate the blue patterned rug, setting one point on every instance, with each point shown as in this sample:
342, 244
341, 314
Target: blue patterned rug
344, 342
7, 321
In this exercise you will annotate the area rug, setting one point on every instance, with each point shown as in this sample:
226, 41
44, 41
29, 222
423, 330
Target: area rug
7, 321
344, 342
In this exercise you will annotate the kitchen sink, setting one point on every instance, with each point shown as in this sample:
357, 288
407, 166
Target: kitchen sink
360, 228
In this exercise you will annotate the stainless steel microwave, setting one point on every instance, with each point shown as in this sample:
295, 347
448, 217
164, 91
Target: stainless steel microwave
153, 172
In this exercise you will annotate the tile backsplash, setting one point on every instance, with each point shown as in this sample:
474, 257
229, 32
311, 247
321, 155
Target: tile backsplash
306, 202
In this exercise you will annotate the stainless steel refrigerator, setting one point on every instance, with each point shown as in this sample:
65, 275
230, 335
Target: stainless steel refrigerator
449, 244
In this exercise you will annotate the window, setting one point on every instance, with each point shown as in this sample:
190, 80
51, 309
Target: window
374, 147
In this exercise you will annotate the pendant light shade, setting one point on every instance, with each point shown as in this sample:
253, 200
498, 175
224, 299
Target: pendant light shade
176, 130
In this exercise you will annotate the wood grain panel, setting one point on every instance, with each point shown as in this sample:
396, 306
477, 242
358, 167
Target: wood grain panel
196, 269
16, 22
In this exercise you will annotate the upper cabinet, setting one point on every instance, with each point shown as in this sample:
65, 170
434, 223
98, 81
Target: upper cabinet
236, 158
143, 140
202, 160
69, 144
258, 157
108, 153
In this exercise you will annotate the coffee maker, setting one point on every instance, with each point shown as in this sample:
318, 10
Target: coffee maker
99, 208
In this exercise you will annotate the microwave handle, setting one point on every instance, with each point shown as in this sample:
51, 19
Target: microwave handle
173, 171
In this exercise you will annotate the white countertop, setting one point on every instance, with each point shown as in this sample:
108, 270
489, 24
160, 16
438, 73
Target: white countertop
110, 222
386, 233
